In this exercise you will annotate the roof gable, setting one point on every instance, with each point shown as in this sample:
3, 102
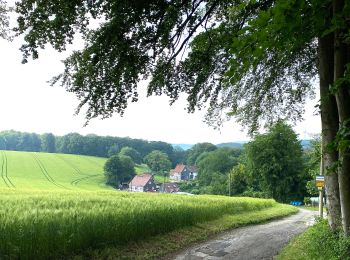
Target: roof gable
179, 168
141, 180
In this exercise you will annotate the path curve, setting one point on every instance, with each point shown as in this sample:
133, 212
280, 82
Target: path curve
255, 242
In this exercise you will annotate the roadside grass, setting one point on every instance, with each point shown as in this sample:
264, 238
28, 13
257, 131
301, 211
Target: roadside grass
164, 246
317, 243
51, 224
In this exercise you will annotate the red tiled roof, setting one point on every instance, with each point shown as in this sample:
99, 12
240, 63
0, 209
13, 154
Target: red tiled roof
140, 180
179, 168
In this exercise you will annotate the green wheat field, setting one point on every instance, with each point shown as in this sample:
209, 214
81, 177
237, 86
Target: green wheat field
48, 171
56, 205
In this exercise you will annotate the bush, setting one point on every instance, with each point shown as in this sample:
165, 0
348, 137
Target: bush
256, 194
307, 200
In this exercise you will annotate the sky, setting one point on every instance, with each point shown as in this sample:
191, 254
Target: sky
29, 104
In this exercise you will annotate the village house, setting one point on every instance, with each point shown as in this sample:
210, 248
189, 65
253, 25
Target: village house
183, 172
169, 187
142, 183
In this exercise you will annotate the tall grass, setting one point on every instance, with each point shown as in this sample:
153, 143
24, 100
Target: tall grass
51, 224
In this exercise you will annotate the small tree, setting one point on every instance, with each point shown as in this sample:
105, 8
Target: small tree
158, 162
275, 163
118, 169
238, 179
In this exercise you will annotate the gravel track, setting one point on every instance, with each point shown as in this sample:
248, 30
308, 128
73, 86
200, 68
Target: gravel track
255, 242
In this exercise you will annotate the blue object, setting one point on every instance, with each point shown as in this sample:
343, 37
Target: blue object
296, 203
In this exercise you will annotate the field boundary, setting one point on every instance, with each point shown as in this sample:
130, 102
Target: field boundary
45, 172
4, 171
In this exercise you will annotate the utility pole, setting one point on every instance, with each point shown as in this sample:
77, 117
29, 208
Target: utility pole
229, 183
320, 189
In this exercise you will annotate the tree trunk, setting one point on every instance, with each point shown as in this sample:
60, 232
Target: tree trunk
343, 104
330, 123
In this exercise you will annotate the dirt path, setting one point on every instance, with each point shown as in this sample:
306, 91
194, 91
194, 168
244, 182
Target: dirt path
252, 242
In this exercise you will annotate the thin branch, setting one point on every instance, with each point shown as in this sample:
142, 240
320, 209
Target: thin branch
211, 9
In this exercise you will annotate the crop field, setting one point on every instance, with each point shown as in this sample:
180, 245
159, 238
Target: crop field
30, 170
52, 224
54, 206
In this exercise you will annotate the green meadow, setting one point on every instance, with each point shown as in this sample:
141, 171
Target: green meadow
50, 171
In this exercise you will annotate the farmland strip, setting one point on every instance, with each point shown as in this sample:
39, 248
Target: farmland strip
45, 172
77, 170
2, 170
4, 158
91, 161
75, 182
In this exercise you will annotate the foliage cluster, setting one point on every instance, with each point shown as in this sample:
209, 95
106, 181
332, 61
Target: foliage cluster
119, 169
158, 162
275, 163
74, 143
272, 165
4, 20
46, 225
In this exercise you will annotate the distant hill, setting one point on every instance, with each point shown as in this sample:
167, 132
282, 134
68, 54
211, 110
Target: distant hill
51, 171
232, 144
183, 146
238, 144
305, 144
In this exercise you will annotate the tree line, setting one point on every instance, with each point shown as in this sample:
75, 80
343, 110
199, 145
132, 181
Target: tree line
93, 145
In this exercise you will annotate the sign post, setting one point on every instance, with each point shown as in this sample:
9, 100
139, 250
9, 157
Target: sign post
320, 186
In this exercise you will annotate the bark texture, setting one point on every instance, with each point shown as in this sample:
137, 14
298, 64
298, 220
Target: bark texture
330, 123
343, 104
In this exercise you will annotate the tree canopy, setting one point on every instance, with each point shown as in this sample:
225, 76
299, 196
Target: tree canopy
182, 46
158, 162
276, 165
118, 169
195, 152
4, 20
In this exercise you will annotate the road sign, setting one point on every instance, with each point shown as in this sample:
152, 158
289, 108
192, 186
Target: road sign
320, 181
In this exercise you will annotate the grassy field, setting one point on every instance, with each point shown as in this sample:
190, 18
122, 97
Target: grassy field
56, 206
38, 171
52, 224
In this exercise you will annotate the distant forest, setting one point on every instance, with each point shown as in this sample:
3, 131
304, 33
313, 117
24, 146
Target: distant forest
94, 145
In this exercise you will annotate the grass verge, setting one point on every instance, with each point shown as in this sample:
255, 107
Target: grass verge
163, 245
317, 243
